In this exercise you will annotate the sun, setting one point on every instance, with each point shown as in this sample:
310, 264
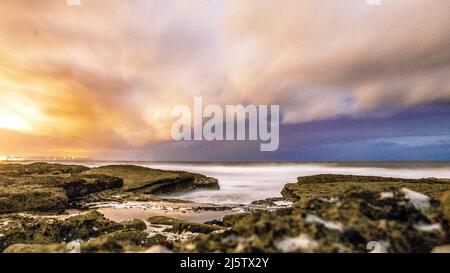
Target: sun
13, 122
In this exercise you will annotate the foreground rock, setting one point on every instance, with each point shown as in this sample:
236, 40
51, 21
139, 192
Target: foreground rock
17, 229
341, 214
91, 231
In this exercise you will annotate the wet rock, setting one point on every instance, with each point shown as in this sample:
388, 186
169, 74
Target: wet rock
179, 226
215, 222
162, 220
269, 201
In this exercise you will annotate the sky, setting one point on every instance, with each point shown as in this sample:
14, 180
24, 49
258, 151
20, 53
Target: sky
354, 81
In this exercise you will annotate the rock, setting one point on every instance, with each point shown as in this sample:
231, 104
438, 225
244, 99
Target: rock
158, 239
135, 224
179, 226
37, 248
47, 187
32, 230
154, 181
19, 170
230, 220
215, 222
32, 198
445, 205
269, 201
348, 222
82, 185
326, 185
117, 242
161, 220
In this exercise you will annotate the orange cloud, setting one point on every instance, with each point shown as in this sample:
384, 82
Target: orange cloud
103, 76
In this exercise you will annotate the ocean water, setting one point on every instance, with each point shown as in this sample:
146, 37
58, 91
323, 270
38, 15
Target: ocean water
244, 182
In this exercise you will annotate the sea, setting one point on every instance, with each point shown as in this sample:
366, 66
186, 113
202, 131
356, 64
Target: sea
244, 182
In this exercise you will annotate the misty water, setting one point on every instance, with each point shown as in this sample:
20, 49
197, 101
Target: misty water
244, 182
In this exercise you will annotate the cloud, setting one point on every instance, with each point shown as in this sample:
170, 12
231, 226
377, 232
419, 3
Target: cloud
109, 71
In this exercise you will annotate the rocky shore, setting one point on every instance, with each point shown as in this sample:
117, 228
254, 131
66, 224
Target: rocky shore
67, 208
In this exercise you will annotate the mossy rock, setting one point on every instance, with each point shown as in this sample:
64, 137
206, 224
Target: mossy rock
48, 187
326, 185
445, 204
74, 185
230, 220
183, 226
162, 220
179, 226
32, 198
136, 224
154, 181
37, 248
17, 170
346, 224
32, 230
118, 242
